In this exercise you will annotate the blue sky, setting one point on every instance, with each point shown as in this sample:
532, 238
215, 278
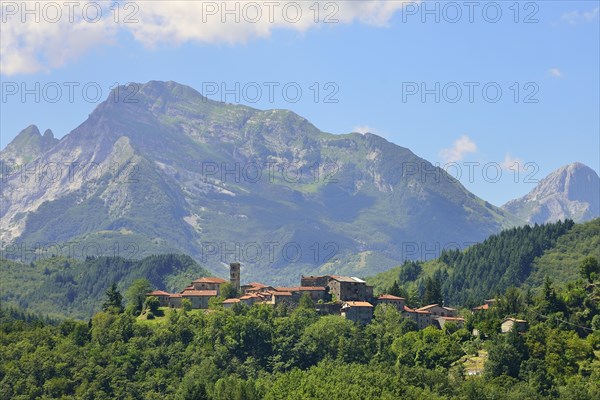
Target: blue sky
373, 58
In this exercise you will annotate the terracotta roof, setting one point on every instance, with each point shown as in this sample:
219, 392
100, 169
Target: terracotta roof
199, 293
358, 304
482, 307
209, 280
256, 285
158, 293
390, 297
231, 301
175, 295
417, 311
249, 296
428, 307
282, 293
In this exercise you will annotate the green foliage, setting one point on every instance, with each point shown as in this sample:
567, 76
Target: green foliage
590, 269
514, 257
263, 352
228, 291
114, 300
152, 304
76, 288
186, 304
136, 294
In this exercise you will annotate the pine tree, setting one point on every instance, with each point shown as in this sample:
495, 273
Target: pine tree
114, 300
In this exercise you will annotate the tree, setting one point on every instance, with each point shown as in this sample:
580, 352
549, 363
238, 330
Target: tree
306, 301
136, 294
186, 304
152, 304
395, 290
433, 292
114, 300
228, 291
590, 269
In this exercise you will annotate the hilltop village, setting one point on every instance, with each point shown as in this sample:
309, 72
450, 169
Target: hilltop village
347, 296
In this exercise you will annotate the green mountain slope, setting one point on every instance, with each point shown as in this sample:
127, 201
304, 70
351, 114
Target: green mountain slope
60, 287
176, 172
515, 257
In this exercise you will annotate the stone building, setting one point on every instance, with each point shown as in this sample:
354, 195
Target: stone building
440, 311
234, 275
395, 301
346, 288
163, 297
512, 323
421, 317
199, 298
208, 283
357, 311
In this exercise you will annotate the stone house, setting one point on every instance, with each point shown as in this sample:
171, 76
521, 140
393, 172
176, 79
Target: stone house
163, 297
208, 283
440, 311
389, 299
198, 298
230, 302
421, 317
512, 323
175, 300
316, 293
314, 281
346, 288
357, 311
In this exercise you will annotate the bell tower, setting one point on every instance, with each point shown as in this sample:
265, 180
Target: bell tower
234, 275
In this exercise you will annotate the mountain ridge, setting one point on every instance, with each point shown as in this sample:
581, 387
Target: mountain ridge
154, 149
571, 191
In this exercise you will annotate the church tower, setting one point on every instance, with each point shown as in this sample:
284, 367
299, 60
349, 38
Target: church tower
234, 275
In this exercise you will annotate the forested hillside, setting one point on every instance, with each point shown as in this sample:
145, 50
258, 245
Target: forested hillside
275, 353
61, 287
515, 257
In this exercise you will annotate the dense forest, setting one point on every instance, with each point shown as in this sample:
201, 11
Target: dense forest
519, 257
62, 287
277, 353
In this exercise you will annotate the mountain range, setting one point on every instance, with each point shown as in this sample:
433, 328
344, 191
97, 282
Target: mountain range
172, 171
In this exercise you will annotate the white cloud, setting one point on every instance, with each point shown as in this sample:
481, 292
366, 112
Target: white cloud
462, 146
512, 163
555, 72
30, 46
362, 129
577, 17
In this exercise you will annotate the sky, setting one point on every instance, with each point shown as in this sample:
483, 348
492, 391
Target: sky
499, 94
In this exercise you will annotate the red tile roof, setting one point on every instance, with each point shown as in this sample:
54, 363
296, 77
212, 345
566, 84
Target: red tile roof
482, 307
390, 297
231, 301
436, 305
175, 295
417, 311
158, 293
282, 293
256, 285
199, 293
209, 280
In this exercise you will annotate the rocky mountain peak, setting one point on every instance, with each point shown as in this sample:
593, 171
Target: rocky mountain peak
572, 191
